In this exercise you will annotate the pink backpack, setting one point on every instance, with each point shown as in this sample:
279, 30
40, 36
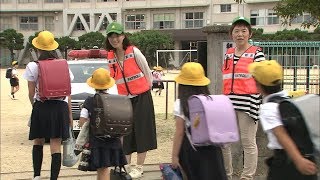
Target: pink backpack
54, 79
213, 120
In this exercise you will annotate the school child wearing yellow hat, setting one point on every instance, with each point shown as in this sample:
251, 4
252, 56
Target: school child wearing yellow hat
157, 80
287, 162
206, 163
105, 151
50, 118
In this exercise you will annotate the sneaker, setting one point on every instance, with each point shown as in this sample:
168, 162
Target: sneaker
37, 178
10, 95
136, 172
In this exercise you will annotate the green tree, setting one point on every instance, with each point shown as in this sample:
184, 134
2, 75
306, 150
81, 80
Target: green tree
12, 40
66, 43
91, 39
290, 9
149, 42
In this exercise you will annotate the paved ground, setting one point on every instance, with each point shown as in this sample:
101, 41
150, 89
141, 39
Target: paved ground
151, 172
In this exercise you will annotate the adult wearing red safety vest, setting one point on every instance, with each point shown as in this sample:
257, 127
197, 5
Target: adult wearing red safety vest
134, 82
240, 87
129, 68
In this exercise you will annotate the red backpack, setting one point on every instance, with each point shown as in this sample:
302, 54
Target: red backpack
54, 79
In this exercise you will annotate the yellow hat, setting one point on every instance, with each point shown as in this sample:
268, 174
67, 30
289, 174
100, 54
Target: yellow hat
45, 41
154, 67
14, 63
159, 68
192, 73
101, 79
268, 72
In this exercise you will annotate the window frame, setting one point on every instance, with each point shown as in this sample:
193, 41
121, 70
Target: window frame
28, 24
224, 8
134, 22
167, 21
192, 18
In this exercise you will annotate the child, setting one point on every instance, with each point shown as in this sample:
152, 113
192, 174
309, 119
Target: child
105, 152
157, 77
287, 161
14, 80
206, 163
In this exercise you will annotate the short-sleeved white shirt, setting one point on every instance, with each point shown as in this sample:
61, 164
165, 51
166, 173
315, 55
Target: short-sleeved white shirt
14, 72
269, 116
177, 111
31, 74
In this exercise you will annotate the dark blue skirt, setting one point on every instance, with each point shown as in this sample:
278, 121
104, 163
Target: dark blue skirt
106, 152
49, 119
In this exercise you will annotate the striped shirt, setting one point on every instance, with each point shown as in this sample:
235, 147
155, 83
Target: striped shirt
249, 103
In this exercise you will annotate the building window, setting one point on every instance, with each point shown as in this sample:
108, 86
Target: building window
49, 23
26, 1
79, 26
54, 1
272, 17
163, 21
193, 20
257, 17
105, 21
135, 21
5, 23
79, 0
225, 8
28, 23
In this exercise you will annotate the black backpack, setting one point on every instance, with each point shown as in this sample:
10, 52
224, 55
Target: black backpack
9, 73
301, 121
112, 115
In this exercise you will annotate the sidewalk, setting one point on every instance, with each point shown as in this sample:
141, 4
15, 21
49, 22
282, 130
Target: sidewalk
151, 172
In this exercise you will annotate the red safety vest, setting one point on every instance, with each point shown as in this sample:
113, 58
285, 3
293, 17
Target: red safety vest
134, 82
236, 78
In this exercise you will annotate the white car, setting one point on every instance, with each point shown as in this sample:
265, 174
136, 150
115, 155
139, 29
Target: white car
82, 70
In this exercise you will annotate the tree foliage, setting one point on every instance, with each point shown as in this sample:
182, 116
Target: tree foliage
11, 40
286, 35
288, 10
91, 39
66, 42
151, 41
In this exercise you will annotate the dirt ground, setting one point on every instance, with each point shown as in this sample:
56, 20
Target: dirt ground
16, 148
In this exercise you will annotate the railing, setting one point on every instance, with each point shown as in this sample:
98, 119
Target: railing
167, 92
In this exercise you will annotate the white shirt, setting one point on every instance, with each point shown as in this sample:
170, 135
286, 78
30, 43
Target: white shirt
177, 111
14, 72
269, 116
31, 74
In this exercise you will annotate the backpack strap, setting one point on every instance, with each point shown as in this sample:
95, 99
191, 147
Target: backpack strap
278, 99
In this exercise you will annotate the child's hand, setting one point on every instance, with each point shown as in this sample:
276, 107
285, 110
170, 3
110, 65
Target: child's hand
306, 167
175, 162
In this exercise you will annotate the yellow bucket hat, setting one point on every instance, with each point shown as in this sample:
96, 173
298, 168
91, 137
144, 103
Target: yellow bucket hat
192, 73
101, 79
14, 63
45, 41
159, 68
268, 72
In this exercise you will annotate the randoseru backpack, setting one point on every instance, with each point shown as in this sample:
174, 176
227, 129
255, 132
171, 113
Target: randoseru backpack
54, 79
112, 115
9, 73
213, 120
300, 117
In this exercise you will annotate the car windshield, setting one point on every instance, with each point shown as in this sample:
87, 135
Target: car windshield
82, 72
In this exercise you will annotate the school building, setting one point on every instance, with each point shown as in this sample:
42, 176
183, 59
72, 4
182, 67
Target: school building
183, 19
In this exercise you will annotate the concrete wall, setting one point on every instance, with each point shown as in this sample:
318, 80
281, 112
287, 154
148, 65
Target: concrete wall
216, 35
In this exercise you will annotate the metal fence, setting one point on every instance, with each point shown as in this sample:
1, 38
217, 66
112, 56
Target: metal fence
300, 60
